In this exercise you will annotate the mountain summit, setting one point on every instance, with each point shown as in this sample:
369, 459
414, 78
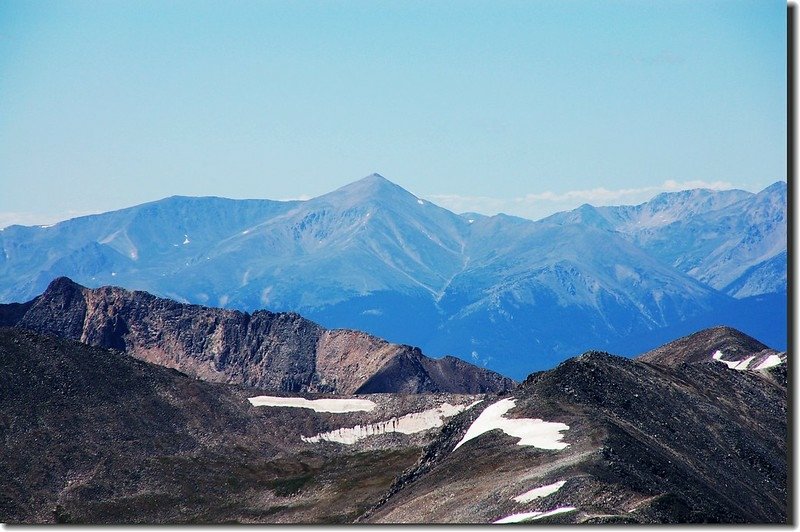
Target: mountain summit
370, 188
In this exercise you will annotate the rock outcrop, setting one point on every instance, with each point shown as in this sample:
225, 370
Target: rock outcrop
274, 351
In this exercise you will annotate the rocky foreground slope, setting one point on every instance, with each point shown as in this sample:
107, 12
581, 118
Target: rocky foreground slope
274, 351
91, 435
95, 436
603, 439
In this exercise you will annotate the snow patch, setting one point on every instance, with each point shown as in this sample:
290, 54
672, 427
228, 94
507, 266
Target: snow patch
46, 226
539, 492
408, 424
534, 432
772, 360
186, 239
525, 516
334, 406
735, 364
718, 356
471, 221
420, 202
113, 274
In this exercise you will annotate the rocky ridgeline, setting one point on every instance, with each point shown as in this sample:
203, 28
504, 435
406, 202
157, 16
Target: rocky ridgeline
274, 351
721, 344
644, 443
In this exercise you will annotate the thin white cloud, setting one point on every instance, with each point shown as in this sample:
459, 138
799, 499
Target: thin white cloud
301, 197
541, 204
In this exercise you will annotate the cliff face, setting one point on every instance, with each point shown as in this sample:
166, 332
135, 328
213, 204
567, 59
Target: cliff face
275, 351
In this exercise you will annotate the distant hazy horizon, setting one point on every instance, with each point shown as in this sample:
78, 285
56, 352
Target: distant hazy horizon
521, 107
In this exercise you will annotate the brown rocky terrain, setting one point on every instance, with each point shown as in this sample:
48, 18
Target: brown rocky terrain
274, 351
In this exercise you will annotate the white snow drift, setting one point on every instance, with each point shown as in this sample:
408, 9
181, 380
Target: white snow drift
526, 516
541, 491
535, 432
335, 406
733, 364
771, 360
408, 424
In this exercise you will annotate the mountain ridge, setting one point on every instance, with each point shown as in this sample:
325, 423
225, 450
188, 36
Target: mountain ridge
275, 351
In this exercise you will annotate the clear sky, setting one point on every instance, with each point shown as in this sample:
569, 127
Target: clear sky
520, 106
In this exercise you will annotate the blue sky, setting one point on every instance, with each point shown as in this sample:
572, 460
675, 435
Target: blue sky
518, 106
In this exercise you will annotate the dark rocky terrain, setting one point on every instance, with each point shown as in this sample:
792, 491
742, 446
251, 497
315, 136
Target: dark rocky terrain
701, 346
274, 351
693, 443
91, 435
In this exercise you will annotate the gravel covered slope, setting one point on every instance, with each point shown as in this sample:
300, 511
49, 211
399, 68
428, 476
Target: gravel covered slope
646, 444
95, 436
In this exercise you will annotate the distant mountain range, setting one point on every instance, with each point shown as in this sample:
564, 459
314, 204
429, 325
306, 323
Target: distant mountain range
511, 294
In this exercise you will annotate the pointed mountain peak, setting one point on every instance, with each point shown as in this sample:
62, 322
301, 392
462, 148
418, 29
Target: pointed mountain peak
372, 181
372, 188
586, 214
62, 285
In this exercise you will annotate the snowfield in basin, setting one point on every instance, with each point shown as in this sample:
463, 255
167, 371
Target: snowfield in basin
535, 432
334, 406
408, 424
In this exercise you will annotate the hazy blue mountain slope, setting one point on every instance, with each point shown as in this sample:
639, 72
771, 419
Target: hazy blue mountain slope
134, 247
370, 236
557, 291
718, 237
765, 277
510, 293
